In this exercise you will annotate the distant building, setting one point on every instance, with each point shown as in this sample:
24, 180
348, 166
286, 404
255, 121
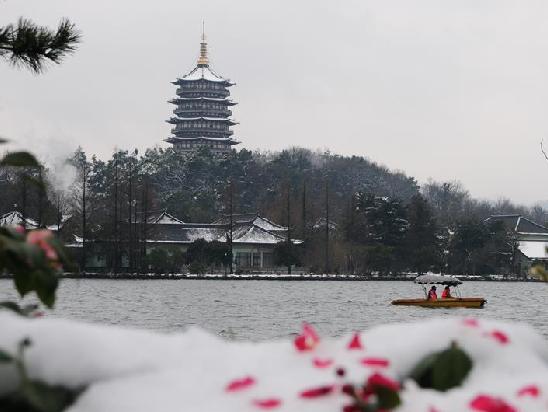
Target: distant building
253, 240
16, 218
202, 112
531, 239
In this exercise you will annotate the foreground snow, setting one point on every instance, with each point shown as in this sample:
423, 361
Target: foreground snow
133, 370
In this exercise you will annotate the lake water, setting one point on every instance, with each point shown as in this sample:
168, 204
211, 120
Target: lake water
257, 310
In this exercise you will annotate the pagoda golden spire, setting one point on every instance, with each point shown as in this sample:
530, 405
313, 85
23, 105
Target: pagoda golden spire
203, 61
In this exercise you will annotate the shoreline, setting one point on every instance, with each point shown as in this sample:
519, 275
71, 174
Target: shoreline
266, 277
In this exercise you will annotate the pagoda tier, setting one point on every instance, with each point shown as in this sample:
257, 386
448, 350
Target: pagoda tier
202, 114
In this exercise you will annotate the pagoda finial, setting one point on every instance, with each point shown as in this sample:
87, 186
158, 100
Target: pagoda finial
203, 61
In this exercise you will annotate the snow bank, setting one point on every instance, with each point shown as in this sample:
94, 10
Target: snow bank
132, 370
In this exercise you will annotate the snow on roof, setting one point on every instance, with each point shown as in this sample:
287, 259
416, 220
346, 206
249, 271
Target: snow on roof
255, 234
180, 119
266, 224
209, 234
212, 99
519, 224
204, 73
15, 218
166, 219
534, 250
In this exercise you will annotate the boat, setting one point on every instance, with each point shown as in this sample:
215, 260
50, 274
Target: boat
453, 302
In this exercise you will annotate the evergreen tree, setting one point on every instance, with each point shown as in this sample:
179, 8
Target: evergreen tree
27, 44
422, 247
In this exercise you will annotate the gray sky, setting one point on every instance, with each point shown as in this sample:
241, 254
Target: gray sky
441, 89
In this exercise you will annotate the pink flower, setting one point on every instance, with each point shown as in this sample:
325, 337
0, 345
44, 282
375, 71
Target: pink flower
473, 323
20, 229
240, 384
267, 403
322, 363
40, 238
375, 362
317, 392
486, 403
529, 390
307, 340
35, 237
500, 336
355, 342
378, 380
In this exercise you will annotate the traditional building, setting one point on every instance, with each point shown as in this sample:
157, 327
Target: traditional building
202, 112
531, 240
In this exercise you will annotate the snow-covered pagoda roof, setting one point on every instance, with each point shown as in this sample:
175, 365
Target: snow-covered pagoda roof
203, 73
174, 120
178, 100
229, 141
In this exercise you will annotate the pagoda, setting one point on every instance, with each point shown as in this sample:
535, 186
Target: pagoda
202, 112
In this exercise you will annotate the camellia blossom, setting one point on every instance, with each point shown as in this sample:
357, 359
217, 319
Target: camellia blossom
40, 238
267, 403
355, 342
486, 403
375, 362
317, 392
322, 363
377, 380
308, 339
529, 390
240, 384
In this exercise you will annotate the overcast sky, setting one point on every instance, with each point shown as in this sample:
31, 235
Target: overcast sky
438, 89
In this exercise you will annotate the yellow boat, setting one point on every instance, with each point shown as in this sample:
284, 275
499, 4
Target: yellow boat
452, 302
443, 303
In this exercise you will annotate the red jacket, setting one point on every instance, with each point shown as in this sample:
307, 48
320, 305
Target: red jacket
432, 295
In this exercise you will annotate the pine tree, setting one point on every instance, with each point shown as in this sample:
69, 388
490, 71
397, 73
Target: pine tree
32, 46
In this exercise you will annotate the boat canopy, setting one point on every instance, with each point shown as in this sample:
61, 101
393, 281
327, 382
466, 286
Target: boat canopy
438, 280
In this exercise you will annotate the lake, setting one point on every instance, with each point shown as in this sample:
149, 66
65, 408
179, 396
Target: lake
256, 310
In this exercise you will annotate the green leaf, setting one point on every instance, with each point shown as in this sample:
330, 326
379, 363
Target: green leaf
451, 368
11, 306
23, 283
48, 398
387, 399
442, 370
5, 357
19, 159
45, 285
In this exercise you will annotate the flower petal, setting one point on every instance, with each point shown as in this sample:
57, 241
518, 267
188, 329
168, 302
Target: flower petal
500, 336
473, 323
307, 340
322, 363
529, 390
240, 384
486, 403
267, 403
317, 392
355, 342
375, 362
379, 380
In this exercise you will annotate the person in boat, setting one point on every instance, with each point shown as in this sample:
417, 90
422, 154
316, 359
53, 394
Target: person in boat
446, 294
432, 295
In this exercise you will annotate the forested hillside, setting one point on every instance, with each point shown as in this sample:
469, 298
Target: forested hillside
378, 219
